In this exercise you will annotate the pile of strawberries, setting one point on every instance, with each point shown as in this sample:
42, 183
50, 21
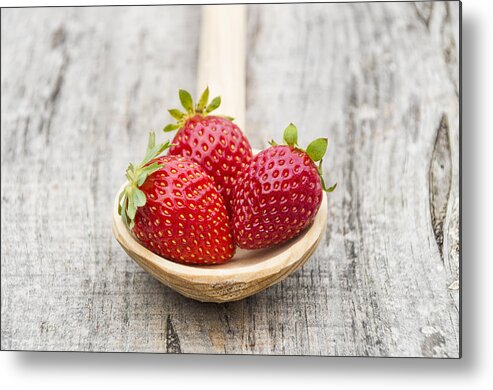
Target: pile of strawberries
209, 194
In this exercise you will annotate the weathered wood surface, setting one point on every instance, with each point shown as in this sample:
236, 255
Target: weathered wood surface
81, 88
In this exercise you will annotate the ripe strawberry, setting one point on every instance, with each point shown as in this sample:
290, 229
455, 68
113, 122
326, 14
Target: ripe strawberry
172, 206
214, 142
279, 194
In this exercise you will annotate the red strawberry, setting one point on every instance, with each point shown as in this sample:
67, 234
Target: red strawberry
279, 194
173, 207
214, 142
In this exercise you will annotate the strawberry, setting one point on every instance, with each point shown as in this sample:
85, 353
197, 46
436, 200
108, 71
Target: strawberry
214, 142
173, 207
280, 193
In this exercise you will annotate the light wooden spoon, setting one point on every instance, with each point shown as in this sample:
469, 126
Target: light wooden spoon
223, 36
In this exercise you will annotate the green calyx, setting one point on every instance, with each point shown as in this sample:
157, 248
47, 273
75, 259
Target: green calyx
315, 150
132, 196
203, 107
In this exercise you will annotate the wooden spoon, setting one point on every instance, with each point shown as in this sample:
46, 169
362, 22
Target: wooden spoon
250, 271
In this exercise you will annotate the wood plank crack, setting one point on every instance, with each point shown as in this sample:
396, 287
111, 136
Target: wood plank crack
51, 104
440, 180
424, 11
172, 339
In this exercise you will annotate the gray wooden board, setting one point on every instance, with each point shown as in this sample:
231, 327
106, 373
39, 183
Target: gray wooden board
82, 87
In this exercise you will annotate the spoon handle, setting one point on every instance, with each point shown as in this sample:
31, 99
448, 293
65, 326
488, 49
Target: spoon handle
222, 57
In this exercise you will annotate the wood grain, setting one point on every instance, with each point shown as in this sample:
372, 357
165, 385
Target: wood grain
80, 90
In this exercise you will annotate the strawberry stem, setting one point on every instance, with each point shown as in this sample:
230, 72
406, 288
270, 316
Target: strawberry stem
203, 108
132, 196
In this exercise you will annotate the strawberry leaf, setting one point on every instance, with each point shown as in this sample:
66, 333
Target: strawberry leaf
130, 172
331, 189
132, 196
146, 171
142, 178
186, 100
324, 187
171, 127
149, 169
316, 150
120, 198
322, 180
152, 140
124, 211
139, 198
291, 135
215, 103
177, 114
203, 100
131, 209
152, 151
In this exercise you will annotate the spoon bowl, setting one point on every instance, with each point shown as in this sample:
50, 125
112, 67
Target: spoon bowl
249, 272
